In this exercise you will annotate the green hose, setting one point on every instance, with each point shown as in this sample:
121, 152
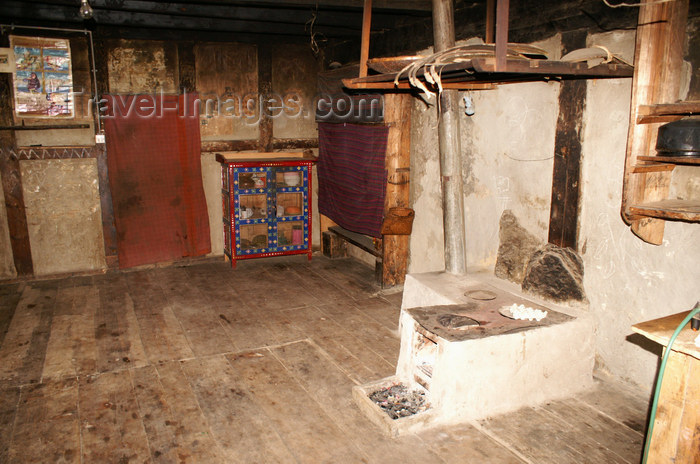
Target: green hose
655, 403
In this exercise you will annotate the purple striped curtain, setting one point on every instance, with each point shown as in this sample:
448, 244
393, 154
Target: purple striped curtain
352, 175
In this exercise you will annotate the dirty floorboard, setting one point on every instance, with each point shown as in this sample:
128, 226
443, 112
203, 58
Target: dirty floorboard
204, 363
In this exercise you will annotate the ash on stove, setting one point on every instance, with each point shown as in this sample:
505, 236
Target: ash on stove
397, 401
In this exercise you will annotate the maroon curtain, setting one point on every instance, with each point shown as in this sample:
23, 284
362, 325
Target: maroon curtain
153, 157
352, 175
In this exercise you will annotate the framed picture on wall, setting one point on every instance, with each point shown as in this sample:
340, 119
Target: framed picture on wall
43, 81
7, 60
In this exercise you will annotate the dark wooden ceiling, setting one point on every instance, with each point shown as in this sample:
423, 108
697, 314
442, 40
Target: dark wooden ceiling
293, 20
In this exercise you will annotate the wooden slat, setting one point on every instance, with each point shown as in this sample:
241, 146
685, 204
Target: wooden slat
671, 159
111, 426
666, 437
203, 330
552, 68
326, 384
72, 349
116, 327
464, 443
161, 332
660, 330
666, 111
655, 167
9, 297
406, 86
359, 240
176, 430
24, 348
374, 336
338, 343
312, 437
680, 210
235, 419
689, 430
50, 411
9, 399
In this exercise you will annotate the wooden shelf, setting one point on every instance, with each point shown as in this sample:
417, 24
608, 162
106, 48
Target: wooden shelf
667, 112
671, 160
484, 70
677, 210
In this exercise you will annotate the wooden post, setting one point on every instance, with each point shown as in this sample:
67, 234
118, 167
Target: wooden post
501, 34
395, 248
450, 151
366, 27
12, 181
490, 21
109, 231
563, 215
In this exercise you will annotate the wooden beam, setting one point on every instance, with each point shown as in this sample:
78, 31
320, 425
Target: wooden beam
264, 89
364, 47
395, 248
490, 21
406, 86
563, 214
18, 10
502, 7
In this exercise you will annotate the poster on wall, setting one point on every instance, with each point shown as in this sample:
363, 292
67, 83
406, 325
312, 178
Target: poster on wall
43, 83
7, 60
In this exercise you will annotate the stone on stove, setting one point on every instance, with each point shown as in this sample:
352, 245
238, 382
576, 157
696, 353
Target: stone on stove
515, 249
556, 274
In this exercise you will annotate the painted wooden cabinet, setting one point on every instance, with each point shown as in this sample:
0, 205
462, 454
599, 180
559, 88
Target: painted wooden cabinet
266, 206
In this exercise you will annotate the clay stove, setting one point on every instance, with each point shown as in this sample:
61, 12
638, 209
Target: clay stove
471, 361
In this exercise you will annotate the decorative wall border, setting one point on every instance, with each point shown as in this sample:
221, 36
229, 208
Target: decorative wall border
43, 153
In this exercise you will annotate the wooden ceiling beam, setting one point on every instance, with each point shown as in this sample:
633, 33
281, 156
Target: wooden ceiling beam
18, 10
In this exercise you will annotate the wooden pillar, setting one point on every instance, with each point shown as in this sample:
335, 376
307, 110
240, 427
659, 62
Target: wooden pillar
395, 248
12, 181
563, 215
450, 150
366, 27
109, 231
264, 93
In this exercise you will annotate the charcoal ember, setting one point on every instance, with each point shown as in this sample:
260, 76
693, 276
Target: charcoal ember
397, 401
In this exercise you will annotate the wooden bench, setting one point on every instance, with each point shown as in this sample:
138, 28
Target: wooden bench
335, 245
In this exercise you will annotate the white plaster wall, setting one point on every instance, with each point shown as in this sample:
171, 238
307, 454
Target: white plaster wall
211, 180
508, 147
507, 158
427, 249
627, 280
63, 215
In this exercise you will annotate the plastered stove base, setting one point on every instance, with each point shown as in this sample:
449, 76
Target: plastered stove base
491, 369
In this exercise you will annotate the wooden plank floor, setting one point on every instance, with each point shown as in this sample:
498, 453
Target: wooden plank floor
209, 364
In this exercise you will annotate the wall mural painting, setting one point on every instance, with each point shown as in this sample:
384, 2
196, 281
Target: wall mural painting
43, 82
